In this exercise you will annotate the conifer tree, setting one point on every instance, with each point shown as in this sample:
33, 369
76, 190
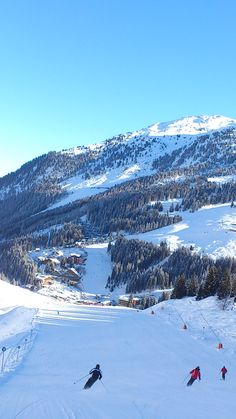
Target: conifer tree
224, 289
180, 289
212, 282
192, 286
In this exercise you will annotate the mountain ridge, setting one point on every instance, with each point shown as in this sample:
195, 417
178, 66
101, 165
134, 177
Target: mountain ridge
190, 125
57, 179
130, 185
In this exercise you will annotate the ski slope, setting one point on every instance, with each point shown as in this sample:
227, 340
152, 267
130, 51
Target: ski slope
144, 359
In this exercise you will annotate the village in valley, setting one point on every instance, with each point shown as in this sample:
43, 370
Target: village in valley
60, 272
63, 264
60, 275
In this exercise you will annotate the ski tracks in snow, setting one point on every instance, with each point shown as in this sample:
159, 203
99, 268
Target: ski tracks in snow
45, 409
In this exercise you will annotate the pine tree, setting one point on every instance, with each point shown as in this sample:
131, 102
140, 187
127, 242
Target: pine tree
192, 286
212, 282
180, 289
224, 289
172, 208
200, 293
233, 285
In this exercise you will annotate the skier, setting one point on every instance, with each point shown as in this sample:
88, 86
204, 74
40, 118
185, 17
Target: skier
223, 372
194, 375
96, 374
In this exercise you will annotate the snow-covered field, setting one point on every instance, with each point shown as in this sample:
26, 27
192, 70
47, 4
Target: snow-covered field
211, 229
144, 358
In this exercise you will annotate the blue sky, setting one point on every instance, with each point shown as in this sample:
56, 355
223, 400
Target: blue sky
74, 72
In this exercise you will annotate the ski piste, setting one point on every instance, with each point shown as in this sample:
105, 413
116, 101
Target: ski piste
144, 359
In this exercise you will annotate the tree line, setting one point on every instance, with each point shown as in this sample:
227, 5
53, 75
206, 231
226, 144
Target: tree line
142, 266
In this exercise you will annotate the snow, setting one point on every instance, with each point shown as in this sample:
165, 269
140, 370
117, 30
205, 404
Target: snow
130, 171
15, 320
222, 179
145, 360
211, 229
191, 125
161, 138
13, 296
98, 268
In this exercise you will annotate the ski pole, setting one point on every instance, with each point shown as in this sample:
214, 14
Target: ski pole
104, 385
185, 379
75, 382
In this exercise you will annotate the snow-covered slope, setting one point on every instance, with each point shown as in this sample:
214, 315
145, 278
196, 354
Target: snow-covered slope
145, 360
14, 296
87, 170
132, 155
192, 125
211, 229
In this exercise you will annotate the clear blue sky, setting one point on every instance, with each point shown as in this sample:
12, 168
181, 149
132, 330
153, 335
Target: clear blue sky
74, 72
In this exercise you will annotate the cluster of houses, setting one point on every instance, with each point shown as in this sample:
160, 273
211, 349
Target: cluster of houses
66, 265
61, 265
129, 301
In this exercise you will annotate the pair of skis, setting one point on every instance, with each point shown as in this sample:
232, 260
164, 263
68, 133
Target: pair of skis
82, 378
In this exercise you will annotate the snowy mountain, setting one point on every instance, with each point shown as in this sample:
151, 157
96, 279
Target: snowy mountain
87, 170
163, 146
148, 180
139, 213
192, 125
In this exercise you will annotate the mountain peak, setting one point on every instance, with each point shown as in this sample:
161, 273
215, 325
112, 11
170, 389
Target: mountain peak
191, 125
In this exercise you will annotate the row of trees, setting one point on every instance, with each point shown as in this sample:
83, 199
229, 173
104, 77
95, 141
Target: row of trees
128, 212
134, 265
218, 282
143, 266
15, 264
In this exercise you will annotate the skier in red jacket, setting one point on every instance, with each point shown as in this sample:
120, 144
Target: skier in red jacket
194, 375
223, 372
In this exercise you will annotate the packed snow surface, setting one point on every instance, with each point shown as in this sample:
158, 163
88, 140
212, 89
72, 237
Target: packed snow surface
145, 359
98, 268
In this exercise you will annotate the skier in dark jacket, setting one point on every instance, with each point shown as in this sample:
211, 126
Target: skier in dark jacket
96, 374
223, 372
194, 375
